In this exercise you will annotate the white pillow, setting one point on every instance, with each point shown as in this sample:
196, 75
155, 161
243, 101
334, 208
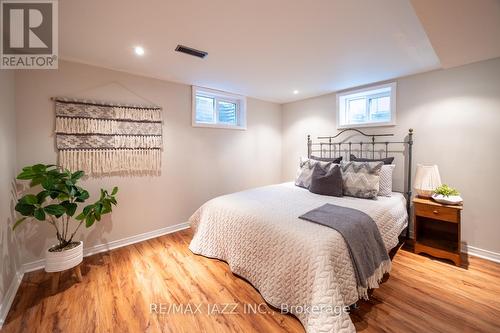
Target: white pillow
385, 187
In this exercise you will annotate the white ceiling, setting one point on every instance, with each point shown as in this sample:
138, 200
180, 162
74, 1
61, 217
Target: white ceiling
260, 48
461, 31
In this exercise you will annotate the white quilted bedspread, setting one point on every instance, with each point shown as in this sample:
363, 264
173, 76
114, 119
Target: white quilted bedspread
292, 262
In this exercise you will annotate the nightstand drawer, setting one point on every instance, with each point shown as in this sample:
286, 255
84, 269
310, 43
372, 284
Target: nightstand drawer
438, 213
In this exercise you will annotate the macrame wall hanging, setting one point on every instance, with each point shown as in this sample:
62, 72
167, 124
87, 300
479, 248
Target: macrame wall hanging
107, 138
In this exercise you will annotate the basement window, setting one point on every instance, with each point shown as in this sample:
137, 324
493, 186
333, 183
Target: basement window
368, 107
217, 109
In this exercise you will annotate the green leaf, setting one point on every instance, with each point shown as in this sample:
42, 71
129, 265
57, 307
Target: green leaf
81, 216
18, 222
115, 190
56, 210
26, 175
36, 181
54, 194
39, 214
29, 199
77, 175
28, 168
83, 196
98, 208
89, 221
63, 196
48, 183
87, 209
70, 207
106, 208
25, 209
39, 168
54, 173
42, 196
97, 211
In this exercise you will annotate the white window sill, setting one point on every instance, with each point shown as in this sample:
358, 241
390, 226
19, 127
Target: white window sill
220, 126
387, 124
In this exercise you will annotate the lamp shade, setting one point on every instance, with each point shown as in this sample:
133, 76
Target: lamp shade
426, 180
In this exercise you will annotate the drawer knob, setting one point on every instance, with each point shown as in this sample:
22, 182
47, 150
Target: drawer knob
435, 211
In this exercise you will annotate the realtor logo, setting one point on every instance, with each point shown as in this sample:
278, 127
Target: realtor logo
29, 38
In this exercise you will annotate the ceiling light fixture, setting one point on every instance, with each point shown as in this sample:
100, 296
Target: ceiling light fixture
139, 50
295, 92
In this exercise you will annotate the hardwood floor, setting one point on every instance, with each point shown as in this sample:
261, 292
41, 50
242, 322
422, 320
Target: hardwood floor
130, 289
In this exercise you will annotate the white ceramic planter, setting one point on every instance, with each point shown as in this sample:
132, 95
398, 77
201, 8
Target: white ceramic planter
448, 200
61, 261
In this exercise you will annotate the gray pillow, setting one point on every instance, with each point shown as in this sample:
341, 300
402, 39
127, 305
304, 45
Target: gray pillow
304, 173
386, 160
361, 179
326, 182
327, 159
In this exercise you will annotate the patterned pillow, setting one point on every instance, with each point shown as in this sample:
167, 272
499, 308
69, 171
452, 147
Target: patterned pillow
385, 187
304, 173
361, 179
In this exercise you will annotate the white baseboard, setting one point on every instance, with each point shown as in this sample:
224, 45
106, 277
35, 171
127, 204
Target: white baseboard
33, 266
8, 298
39, 264
485, 254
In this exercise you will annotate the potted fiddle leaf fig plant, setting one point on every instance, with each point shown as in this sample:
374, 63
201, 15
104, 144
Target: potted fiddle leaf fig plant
57, 203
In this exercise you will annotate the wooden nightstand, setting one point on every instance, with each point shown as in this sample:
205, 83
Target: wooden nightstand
437, 229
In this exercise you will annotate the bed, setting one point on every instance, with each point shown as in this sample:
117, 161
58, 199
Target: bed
297, 266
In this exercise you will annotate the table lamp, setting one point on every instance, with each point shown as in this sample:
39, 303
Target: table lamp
426, 180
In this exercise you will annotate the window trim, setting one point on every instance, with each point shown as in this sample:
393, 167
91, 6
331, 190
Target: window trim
392, 85
217, 95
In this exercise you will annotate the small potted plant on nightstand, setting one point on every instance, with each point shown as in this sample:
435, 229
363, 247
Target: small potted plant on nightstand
447, 195
57, 203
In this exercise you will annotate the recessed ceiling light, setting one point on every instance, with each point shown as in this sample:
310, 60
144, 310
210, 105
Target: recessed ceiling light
295, 92
139, 50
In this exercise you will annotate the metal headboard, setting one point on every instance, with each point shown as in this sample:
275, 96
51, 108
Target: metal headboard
327, 146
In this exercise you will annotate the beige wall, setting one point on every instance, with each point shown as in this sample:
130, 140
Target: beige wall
456, 117
198, 163
9, 258
455, 114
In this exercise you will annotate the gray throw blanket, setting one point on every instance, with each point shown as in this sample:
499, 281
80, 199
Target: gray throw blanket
368, 254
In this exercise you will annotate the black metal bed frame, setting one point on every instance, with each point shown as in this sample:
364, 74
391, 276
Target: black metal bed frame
329, 147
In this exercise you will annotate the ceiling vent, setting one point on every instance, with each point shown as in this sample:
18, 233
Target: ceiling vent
191, 51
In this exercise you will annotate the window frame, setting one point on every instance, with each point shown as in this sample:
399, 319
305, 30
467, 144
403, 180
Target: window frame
239, 100
343, 94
